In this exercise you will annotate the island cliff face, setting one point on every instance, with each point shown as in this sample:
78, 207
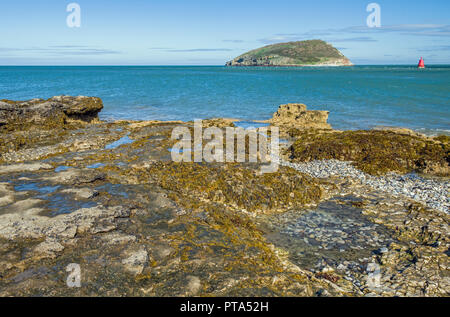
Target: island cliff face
303, 53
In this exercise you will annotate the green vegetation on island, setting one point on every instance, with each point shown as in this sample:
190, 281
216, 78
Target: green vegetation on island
302, 53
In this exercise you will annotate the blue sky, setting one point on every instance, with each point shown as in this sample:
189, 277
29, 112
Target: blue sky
210, 32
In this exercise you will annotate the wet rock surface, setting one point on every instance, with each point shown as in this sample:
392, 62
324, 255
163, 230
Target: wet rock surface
106, 196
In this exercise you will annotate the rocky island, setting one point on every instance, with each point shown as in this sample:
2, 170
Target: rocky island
349, 213
302, 53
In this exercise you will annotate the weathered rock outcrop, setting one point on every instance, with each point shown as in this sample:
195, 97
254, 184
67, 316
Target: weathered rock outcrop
59, 109
376, 152
295, 115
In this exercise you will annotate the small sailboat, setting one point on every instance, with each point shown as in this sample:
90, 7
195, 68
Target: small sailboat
421, 63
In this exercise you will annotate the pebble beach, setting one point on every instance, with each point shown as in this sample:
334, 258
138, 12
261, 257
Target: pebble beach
434, 193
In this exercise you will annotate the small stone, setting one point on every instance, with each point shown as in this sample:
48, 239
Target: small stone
194, 285
136, 261
83, 193
48, 248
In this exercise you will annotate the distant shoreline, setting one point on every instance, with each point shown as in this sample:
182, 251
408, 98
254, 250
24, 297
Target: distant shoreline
289, 65
225, 66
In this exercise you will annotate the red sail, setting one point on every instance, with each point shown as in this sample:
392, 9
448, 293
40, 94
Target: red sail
421, 63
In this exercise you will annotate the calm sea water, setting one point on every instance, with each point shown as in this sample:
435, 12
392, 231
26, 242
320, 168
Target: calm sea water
357, 97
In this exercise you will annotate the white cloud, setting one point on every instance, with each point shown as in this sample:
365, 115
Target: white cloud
61, 50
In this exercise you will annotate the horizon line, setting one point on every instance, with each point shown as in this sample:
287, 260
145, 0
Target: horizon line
210, 65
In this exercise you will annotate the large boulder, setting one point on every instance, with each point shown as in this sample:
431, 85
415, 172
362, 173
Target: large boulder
59, 109
295, 115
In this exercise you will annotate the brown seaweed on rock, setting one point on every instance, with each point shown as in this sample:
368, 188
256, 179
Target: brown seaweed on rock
233, 185
375, 152
40, 122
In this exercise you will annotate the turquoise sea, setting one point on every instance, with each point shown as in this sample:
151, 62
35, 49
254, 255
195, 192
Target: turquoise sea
357, 97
